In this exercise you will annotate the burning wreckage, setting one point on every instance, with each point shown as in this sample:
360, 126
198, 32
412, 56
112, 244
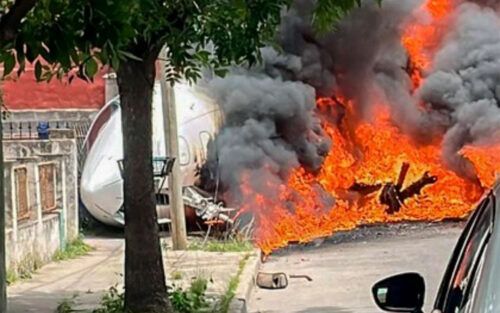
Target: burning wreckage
394, 115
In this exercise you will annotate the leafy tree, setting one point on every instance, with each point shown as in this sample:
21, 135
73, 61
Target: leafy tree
73, 38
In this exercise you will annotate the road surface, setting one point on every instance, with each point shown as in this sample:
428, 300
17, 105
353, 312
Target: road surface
344, 268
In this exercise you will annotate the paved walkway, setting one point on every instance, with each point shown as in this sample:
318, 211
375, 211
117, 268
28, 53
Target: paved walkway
88, 277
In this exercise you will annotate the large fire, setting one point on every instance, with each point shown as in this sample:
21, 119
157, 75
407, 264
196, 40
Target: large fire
421, 39
371, 153
381, 149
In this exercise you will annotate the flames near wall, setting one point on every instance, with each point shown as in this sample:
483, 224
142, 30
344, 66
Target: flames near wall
315, 138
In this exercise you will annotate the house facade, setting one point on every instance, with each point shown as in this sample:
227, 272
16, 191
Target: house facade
40, 173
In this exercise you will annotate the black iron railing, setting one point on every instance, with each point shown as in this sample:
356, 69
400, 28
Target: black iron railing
28, 130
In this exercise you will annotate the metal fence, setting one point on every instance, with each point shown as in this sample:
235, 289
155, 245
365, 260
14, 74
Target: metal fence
19, 130
27, 130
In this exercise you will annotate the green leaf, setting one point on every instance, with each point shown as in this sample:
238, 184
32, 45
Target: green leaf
221, 72
38, 70
8, 63
91, 68
115, 62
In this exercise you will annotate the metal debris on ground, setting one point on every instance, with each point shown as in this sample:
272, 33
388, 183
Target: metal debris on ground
307, 277
277, 280
272, 280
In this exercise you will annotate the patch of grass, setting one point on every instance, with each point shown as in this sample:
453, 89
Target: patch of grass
11, 277
73, 249
230, 245
25, 268
176, 275
112, 302
192, 300
66, 306
228, 296
33, 262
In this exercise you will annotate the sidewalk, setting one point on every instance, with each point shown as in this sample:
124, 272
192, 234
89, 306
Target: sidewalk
88, 277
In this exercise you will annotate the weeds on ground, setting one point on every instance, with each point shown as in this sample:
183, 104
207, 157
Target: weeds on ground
33, 262
66, 306
112, 302
192, 300
176, 275
25, 268
228, 296
229, 245
73, 249
11, 277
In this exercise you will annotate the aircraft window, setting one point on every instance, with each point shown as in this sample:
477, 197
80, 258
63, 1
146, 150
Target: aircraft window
184, 155
205, 138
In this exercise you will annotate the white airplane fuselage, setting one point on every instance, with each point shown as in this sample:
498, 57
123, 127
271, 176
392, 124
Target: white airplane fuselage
101, 184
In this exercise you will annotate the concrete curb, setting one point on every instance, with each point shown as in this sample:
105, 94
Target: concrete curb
247, 282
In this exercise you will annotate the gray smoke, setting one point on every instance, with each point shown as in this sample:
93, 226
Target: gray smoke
270, 128
343, 62
270, 123
363, 60
463, 88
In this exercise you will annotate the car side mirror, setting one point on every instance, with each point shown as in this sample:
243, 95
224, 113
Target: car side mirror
400, 293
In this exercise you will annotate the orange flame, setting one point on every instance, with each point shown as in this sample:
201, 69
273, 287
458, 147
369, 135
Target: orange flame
313, 205
421, 39
299, 213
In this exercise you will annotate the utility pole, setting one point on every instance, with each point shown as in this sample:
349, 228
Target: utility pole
177, 213
3, 266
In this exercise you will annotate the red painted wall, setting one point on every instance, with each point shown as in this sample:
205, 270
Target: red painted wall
25, 93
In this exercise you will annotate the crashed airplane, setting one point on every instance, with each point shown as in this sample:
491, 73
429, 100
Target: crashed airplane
101, 183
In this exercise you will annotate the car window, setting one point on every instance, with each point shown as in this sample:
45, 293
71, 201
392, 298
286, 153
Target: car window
467, 264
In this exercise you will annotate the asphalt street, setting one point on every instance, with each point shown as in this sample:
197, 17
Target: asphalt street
344, 267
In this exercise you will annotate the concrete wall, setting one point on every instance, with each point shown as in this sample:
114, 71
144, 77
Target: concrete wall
33, 241
83, 115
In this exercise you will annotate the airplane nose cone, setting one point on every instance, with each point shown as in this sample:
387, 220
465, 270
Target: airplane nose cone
101, 182
101, 190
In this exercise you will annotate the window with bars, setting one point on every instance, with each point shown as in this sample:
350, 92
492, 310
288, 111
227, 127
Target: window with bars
47, 173
21, 190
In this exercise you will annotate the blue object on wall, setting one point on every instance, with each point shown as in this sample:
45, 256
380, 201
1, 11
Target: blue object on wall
43, 130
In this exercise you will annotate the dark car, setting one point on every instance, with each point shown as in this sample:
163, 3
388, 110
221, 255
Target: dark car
471, 282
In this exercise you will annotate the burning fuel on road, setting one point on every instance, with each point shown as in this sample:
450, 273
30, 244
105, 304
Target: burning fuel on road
312, 136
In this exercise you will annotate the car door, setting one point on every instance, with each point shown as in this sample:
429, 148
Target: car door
458, 284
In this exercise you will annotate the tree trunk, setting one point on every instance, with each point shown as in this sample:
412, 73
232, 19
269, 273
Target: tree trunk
145, 288
3, 273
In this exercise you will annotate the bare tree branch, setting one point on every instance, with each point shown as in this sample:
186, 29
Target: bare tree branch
9, 23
